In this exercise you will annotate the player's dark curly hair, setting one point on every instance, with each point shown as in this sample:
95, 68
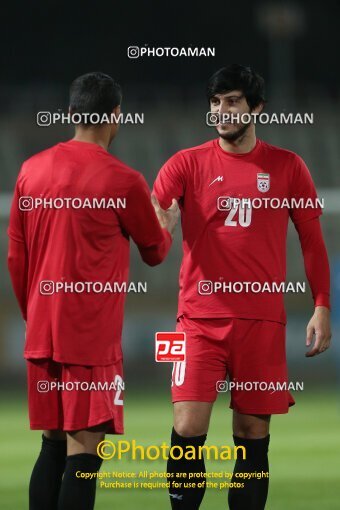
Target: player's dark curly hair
238, 77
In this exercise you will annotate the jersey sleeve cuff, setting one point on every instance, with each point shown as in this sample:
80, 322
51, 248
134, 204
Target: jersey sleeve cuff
322, 300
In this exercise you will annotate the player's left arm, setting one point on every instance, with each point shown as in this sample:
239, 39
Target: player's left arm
318, 274
307, 224
17, 252
18, 269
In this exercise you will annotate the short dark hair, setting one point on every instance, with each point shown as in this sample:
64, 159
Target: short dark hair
94, 93
238, 77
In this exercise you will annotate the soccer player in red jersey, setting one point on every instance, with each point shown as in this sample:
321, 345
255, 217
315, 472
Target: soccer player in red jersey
74, 209
226, 241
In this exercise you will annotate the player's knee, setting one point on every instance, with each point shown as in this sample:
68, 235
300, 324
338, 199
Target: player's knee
248, 426
251, 430
250, 434
84, 441
188, 428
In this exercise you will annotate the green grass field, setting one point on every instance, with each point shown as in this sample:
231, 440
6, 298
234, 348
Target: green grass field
304, 454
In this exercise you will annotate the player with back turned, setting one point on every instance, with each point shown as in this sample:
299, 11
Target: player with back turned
239, 335
74, 338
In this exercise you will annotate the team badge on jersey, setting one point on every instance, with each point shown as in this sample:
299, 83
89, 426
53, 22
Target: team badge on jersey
263, 182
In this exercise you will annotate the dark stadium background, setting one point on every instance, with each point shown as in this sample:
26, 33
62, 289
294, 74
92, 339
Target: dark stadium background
294, 45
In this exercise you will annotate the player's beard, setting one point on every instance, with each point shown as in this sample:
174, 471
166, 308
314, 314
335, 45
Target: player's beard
235, 135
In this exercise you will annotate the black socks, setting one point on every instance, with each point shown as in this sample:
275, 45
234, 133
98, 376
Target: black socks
47, 475
254, 494
50, 490
184, 496
79, 493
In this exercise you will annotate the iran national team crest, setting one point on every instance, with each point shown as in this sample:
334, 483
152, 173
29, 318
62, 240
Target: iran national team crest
263, 182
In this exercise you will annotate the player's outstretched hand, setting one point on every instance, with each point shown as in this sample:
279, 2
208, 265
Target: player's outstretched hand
320, 326
167, 218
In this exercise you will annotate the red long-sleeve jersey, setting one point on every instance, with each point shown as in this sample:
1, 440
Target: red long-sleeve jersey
235, 210
74, 209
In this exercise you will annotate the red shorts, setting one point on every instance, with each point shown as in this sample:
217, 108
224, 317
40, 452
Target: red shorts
245, 351
72, 397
